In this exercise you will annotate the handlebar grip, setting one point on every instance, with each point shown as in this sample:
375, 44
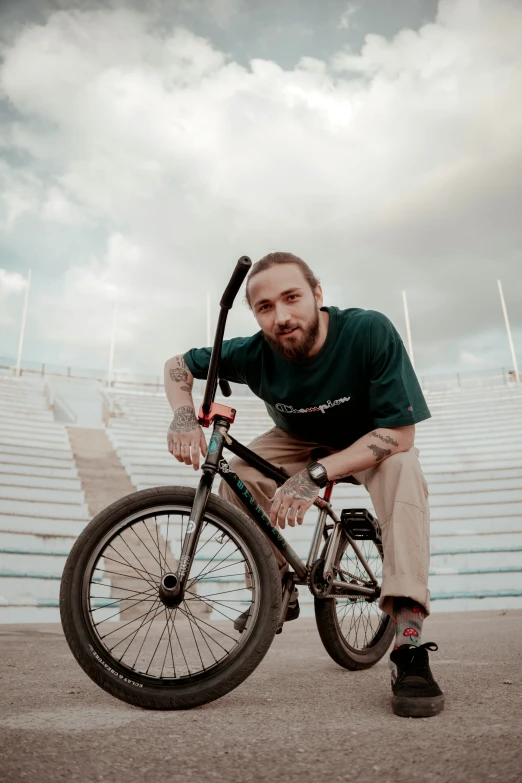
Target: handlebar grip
226, 391
238, 275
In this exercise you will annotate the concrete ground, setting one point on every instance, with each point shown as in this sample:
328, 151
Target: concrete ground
298, 717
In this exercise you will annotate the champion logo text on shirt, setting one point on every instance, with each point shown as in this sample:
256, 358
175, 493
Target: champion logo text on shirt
323, 407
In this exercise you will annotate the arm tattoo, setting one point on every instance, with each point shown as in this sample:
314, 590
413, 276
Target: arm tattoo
379, 453
180, 373
301, 487
386, 438
184, 420
185, 388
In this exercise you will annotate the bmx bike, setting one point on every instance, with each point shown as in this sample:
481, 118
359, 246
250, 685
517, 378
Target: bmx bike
153, 585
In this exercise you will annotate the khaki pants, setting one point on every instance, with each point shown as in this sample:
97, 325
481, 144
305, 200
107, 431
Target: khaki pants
399, 494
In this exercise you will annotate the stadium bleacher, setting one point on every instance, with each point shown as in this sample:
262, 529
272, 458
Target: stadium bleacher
471, 453
42, 505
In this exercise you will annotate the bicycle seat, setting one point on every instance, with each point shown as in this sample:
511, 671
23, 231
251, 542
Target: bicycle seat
316, 454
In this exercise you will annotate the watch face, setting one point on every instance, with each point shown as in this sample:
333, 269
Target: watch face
318, 474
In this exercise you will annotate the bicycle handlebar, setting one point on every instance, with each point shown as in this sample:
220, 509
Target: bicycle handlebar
238, 275
227, 300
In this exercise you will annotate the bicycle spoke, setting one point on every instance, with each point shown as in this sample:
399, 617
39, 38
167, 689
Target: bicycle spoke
148, 629
214, 570
207, 603
192, 620
209, 562
195, 642
157, 601
151, 609
126, 563
202, 631
146, 547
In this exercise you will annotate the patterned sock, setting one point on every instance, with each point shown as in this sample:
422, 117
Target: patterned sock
408, 617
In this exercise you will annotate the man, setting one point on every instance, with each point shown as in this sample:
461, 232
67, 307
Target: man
339, 379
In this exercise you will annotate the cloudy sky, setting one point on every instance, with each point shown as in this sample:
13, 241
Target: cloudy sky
143, 152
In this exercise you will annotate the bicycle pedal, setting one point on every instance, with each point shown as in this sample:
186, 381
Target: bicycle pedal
359, 524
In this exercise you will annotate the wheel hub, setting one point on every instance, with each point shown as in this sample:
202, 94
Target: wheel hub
170, 592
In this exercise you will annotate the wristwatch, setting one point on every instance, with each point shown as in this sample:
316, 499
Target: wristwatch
318, 474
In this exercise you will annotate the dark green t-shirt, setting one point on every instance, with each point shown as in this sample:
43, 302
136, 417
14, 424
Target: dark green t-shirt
362, 378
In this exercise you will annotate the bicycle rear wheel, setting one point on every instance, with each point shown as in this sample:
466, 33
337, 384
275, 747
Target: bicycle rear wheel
353, 630
133, 645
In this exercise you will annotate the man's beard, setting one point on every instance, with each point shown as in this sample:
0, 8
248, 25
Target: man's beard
297, 352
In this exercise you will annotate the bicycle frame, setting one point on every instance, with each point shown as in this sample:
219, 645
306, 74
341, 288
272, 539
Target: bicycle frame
222, 417
216, 464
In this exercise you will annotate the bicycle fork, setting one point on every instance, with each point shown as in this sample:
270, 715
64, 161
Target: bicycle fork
172, 587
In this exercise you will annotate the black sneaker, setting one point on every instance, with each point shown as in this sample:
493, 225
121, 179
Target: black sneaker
415, 692
292, 613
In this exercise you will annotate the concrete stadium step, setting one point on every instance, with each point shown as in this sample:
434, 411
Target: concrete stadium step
475, 602
475, 478
102, 475
36, 455
75, 511
30, 416
44, 612
26, 424
25, 543
39, 495
470, 558
15, 468
25, 587
39, 481
16, 437
41, 610
486, 526
477, 543
43, 564
42, 526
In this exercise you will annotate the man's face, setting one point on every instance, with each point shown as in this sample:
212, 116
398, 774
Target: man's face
287, 310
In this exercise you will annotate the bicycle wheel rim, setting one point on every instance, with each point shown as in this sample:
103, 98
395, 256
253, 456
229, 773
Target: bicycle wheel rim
367, 622
181, 675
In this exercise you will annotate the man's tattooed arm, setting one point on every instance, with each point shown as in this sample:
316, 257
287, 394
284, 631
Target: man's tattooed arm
369, 451
178, 383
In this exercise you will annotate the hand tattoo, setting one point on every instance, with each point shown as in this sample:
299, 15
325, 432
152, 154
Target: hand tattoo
379, 453
300, 487
184, 420
385, 438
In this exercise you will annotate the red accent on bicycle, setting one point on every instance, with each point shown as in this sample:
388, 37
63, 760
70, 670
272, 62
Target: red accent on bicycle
216, 409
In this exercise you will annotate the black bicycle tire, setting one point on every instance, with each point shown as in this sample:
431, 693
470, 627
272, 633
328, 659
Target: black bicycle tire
335, 644
188, 695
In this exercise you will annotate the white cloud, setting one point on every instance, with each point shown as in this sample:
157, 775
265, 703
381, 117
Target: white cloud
57, 208
345, 22
12, 282
396, 167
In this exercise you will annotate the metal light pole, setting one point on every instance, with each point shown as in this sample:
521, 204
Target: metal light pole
408, 330
24, 320
209, 335
510, 339
113, 340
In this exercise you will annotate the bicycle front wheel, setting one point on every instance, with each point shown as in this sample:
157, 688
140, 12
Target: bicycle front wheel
152, 655
353, 630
